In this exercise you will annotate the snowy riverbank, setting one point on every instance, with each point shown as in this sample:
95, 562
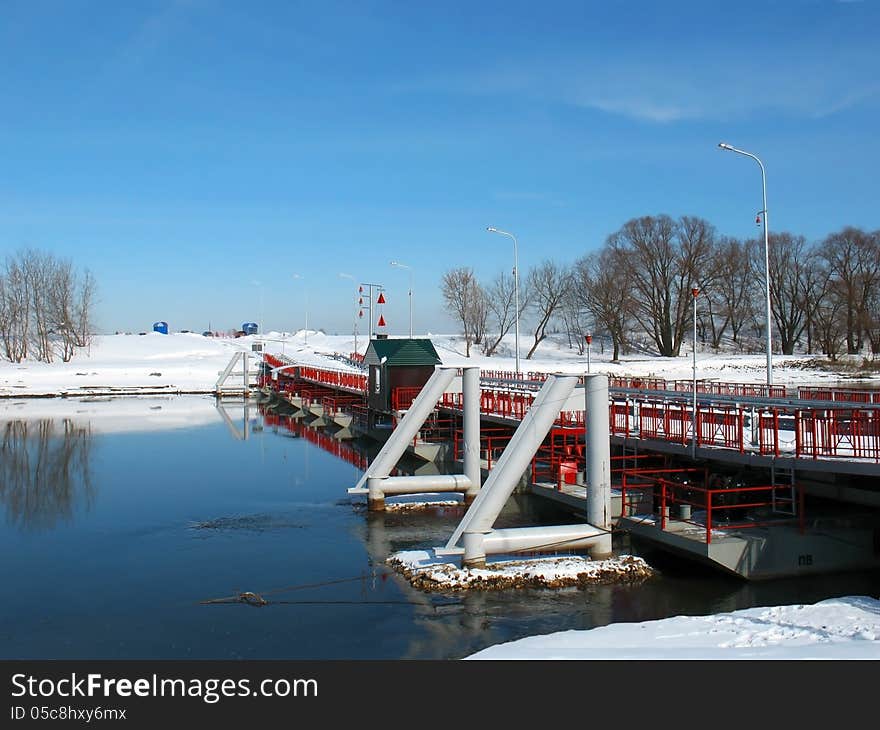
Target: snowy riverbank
838, 628
191, 363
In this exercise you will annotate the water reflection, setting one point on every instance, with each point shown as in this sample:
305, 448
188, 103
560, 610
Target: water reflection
169, 518
45, 471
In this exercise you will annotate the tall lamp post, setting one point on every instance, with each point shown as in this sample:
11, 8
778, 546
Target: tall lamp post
695, 292
399, 265
349, 276
729, 148
492, 229
297, 276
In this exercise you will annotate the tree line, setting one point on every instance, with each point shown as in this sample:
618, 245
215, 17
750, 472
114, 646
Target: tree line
45, 307
637, 291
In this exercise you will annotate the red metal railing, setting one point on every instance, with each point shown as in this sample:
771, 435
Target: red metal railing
493, 441
839, 395
824, 433
402, 398
639, 383
747, 390
722, 426
334, 378
710, 508
853, 434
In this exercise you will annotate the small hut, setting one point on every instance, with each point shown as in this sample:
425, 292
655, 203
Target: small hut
398, 370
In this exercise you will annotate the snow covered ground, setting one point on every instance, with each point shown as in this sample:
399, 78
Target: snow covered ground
838, 628
136, 363
188, 362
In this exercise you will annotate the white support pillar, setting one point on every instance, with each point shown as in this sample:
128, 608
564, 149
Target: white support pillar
407, 429
481, 515
598, 452
471, 424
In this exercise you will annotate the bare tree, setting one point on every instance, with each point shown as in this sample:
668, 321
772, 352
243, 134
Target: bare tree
501, 304
479, 315
599, 285
45, 307
826, 310
730, 290
853, 257
664, 257
789, 267
462, 296
548, 284
575, 318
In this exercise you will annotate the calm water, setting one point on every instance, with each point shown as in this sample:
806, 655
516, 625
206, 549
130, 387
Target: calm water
111, 539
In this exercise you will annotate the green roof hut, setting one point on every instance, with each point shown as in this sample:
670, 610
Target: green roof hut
398, 370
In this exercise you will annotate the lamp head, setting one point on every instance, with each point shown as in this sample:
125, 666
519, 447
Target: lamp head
492, 229
725, 146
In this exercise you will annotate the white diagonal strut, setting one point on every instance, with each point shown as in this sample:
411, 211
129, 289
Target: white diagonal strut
409, 426
513, 463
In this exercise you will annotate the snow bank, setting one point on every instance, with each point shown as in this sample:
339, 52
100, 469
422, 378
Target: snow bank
838, 628
124, 364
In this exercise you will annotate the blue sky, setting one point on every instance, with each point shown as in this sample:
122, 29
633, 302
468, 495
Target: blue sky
195, 155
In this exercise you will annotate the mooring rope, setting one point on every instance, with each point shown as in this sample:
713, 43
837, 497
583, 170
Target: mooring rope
257, 599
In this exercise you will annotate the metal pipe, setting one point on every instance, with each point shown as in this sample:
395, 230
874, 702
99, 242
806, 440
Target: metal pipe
471, 425
598, 448
516, 457
544, 539
418, 484
408, 427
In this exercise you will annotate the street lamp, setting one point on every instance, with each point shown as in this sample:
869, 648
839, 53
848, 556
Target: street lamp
492, 229
729, 148
297, 276
589, 339
349, 276
695, 292
399, 265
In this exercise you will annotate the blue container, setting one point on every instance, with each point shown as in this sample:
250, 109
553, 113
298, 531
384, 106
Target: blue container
250, 328
160, 327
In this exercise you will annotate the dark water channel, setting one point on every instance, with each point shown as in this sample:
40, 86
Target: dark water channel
112, 536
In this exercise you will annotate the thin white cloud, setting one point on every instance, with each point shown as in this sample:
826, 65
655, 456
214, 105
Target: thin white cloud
725, 86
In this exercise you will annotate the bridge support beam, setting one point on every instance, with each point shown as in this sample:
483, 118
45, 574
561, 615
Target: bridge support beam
377, 478
471, 419
598, 452
479, 539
